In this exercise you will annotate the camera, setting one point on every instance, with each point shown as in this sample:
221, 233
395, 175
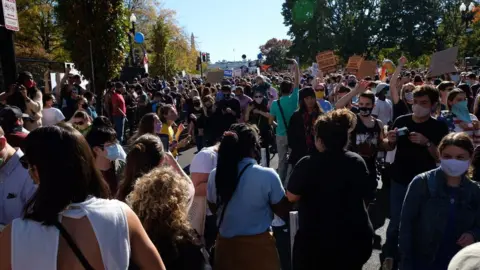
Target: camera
402, 132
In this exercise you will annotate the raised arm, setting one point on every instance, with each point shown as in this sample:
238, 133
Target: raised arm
360, 88
393, 83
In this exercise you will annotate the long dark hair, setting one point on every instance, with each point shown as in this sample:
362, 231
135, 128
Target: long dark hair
145, 154
302, 106
66, 168
146, 125
240, 142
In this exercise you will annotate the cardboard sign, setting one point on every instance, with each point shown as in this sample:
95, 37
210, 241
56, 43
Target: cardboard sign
215, 76
180, 129
367, 68
443, 62
354, 62
326, 60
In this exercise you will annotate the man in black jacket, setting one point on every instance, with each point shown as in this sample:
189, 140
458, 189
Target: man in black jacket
227, 110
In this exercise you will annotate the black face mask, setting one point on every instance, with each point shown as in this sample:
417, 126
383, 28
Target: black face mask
352, 84
196, 104
364, 111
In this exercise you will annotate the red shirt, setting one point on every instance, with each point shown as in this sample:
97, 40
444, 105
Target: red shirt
118, 102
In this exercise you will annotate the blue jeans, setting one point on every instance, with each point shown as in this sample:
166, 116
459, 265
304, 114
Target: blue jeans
119, 123
397, 195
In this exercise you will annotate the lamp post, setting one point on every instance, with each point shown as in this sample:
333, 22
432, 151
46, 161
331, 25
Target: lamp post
467, 17
133, 20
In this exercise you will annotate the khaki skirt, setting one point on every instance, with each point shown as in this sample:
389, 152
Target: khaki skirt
253, 252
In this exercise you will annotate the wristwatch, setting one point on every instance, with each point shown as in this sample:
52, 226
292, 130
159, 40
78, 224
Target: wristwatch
428, 144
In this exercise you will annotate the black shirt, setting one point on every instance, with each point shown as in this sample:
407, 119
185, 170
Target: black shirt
412, 159
227, 119
400, 108
331, 207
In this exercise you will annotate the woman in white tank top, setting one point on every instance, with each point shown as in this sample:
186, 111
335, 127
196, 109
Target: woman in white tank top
72, 194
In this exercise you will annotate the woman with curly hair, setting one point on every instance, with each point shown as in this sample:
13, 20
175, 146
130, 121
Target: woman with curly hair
160, 199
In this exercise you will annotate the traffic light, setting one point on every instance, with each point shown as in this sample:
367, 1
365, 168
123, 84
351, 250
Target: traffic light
208, 57
204, 57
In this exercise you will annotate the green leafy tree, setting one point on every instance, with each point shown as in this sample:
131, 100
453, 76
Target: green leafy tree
105, 24
310, 34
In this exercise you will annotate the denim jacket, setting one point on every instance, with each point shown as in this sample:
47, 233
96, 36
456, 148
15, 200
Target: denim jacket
425, 214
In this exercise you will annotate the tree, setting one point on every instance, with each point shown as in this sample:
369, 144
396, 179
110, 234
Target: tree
105, 24
276, 51
39, 35
414, 28
307, 20
171, 48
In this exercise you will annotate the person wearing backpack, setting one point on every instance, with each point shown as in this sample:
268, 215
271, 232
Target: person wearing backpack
441, 210
281, 111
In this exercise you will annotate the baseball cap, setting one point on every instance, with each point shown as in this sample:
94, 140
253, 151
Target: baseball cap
10, 114
380, 87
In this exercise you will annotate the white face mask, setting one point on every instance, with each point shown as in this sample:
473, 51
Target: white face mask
454, 167
420, 111
409, 96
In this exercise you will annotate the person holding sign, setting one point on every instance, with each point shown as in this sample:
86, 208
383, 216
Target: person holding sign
168, 115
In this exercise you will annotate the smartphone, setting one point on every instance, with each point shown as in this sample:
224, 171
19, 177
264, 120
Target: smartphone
402, 131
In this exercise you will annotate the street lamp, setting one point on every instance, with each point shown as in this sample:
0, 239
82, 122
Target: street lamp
133, 20
467, 17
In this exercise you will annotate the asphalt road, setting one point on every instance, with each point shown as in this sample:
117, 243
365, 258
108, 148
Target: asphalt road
373, 264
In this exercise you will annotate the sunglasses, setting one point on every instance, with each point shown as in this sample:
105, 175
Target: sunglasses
258, 96
79, 123
24, 162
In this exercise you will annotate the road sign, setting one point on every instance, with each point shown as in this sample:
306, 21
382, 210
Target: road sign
10, 15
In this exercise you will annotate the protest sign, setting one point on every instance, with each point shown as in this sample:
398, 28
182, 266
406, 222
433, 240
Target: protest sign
228, 73
354, 62
443, 62
215, 76
180, 129
326, 61
367, 68
237, 73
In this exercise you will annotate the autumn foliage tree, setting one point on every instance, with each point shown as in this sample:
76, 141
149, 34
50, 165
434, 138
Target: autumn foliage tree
276, 51
171, 47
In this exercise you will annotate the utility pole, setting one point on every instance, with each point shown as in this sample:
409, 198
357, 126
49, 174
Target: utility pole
7, 52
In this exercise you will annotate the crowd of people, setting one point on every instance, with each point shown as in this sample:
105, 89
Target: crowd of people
93, 189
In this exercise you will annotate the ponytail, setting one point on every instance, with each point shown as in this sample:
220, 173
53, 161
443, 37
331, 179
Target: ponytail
238, 143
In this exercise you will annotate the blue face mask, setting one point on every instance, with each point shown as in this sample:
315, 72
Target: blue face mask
461, 111
113, 152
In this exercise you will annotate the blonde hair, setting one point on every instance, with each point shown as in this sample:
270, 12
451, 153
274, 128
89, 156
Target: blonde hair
160, 199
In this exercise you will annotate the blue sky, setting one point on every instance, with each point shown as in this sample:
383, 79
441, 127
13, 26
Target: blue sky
222, 26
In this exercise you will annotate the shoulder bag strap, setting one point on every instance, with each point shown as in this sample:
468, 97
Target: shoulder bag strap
281, 112
226, 204
73, 246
